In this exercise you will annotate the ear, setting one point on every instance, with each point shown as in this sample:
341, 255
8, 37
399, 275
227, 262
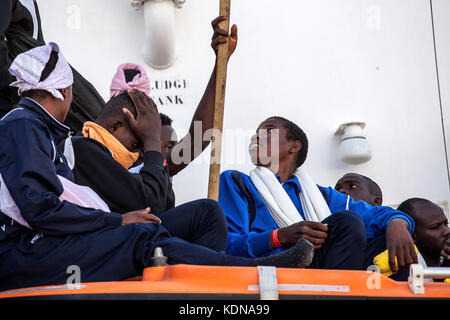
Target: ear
114, 126
378, 201
295, 147
65, 92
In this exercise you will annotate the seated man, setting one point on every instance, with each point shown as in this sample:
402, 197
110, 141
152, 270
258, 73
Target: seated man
271, 209
169, 136
445, 253
431, 232
111, 145
42, 232
169, 141
430, 237
131, 76
360, 187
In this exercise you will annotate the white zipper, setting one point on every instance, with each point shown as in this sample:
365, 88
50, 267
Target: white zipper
36, 238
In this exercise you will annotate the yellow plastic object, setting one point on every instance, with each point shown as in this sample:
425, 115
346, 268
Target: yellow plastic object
382, 262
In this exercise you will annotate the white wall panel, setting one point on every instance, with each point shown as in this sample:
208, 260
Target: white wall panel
320, 63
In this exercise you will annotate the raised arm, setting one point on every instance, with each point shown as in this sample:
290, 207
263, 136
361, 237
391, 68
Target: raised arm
147, 127
205, 109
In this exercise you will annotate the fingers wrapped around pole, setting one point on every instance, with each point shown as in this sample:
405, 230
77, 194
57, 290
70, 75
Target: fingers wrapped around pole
221, 75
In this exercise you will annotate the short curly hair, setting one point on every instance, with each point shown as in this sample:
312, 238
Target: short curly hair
408, 206
295, 133
165, 119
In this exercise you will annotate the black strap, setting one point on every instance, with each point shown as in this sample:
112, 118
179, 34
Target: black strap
237, 178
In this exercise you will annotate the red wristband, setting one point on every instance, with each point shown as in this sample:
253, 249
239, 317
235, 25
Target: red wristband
275, 240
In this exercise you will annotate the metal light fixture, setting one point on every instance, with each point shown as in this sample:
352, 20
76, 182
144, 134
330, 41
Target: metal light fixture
354, 148
159, 40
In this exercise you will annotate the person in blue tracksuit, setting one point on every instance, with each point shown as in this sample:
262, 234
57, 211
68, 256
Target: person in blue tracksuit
46, 236
360, 187
348, 239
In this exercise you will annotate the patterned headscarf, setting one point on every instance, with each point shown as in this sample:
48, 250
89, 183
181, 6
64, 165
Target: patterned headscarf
27, 67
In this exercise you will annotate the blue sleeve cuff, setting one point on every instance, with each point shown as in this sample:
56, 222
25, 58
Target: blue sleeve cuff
405, 217
259, 243
113, 219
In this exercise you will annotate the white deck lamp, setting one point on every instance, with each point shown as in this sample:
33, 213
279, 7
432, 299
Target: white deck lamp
160, 42
354, 148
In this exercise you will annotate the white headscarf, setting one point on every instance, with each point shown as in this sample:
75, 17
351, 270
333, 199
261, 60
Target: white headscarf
27, 67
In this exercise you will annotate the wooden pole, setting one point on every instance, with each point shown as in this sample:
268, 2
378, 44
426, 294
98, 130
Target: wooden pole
221, 77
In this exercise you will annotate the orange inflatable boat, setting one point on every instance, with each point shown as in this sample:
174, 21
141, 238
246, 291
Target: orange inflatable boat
193, 282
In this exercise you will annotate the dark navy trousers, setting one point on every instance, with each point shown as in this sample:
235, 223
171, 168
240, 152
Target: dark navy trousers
201, 222
346, 246
110, 254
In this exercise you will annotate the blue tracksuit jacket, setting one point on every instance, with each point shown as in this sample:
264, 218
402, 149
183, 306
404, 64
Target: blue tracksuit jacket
253, 240
29, 164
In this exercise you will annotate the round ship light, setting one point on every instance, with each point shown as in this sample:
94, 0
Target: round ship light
354, 148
